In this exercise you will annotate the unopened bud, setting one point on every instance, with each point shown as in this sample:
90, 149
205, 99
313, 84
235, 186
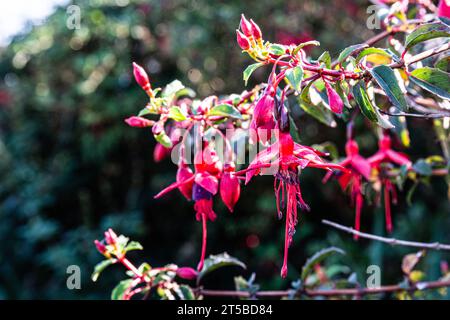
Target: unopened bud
256, 31
187, 273
246, 26
141, 77
242, 40
139, 122
110, 237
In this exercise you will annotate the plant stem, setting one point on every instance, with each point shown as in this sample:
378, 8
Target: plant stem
391, 241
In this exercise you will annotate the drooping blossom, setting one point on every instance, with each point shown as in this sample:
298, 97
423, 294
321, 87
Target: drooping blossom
204, 183
289, 158
386, 157
358, 170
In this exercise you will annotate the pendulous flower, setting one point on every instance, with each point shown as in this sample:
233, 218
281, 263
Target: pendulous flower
358, 170
386, 157
289, 158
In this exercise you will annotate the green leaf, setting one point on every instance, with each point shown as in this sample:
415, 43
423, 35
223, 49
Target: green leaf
119, 291
225, 110
144, 112
363, 101
100, 267
176, 114
426, 32
133, 245
164, 139
214, 262
295, 76
443, 64
432, 80
277, 49
172, 88
186, 92
387, 80
184, 292
249, 70
349, 51
321, 114
304, 44
423, 168
317, 258
325, 58
372, 50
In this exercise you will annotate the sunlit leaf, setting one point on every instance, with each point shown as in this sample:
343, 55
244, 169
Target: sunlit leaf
433, 80
387, 80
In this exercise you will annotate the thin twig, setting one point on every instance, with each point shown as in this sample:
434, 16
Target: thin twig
433, 115
325, 293
391, 241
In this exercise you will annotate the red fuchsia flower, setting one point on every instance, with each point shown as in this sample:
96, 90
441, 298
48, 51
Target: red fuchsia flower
386, 156
444, 9
141, 77
230, 188
290, 158
263, 121
205, 184
358, 169
139, 122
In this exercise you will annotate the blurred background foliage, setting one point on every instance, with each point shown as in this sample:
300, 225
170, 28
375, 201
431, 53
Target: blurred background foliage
70, 167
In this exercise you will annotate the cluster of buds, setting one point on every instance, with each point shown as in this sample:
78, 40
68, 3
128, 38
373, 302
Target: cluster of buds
249, 38
109, 245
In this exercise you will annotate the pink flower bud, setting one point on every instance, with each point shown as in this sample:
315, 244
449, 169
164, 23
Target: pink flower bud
160, 152
139, 122
242, 40
110, 237
230, 190
444, 9
141, 77
246, 26
256, 31
100, 247
334, 100
187, 273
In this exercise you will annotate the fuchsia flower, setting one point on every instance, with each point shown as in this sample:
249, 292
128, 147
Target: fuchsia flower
358, 168
203, 184
290, 158
386, 156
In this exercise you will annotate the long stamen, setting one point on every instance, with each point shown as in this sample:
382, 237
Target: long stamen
387, 207
359, 203
202, 258
284, 269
